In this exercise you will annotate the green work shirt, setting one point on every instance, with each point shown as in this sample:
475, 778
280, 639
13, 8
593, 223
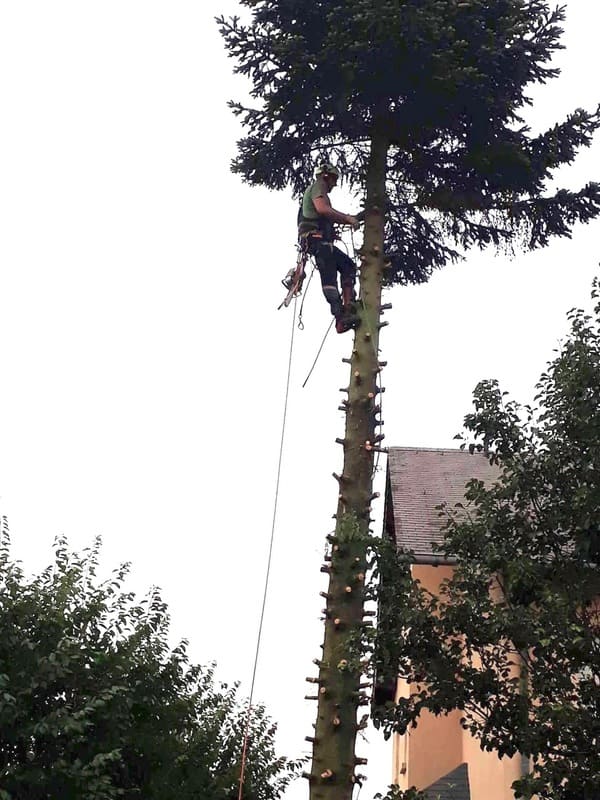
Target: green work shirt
309, 218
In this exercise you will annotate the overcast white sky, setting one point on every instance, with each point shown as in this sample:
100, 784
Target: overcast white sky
142, 358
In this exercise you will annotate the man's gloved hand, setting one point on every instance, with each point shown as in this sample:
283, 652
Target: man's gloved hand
352, 221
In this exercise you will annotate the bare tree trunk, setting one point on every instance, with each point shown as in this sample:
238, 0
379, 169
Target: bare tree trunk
339, 691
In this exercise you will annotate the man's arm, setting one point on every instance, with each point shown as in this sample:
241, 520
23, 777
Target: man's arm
325, 209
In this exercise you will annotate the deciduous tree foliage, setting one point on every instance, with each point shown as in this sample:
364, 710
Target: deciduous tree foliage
513, 640
421, 104
94, 704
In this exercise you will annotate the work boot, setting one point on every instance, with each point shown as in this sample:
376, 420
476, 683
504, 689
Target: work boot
348, 318
345, 318
346, 321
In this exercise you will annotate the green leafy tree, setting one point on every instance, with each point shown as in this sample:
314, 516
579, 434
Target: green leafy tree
94, 704
420, 103
513, 639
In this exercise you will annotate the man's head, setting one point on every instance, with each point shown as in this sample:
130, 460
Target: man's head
329, 173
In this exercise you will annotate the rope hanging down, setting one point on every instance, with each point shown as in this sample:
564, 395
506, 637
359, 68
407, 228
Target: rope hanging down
300, 322
318, 353
269, 559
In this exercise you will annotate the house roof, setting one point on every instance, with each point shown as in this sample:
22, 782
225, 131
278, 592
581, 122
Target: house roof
453, 786
419, 480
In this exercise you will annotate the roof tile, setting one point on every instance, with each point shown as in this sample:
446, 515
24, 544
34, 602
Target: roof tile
419, 480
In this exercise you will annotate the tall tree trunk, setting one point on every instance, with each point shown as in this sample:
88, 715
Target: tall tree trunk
332, 776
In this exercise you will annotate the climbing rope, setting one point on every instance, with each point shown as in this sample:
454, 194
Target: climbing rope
300, 322
318, 352
269, 560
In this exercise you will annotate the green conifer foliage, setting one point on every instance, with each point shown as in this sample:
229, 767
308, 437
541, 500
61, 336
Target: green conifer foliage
447, 82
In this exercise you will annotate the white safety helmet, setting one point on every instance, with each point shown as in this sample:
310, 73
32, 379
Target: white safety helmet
327, 169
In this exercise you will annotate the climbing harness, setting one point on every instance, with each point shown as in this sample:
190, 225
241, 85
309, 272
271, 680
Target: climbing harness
269, 560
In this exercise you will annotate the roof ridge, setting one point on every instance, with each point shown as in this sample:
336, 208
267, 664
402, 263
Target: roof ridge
431, 449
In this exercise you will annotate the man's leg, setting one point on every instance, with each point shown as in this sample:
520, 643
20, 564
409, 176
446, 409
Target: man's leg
347, 269
326, 264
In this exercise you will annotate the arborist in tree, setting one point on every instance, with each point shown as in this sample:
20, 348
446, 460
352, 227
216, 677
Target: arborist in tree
316, 232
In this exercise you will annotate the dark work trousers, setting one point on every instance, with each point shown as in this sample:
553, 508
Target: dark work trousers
330, 260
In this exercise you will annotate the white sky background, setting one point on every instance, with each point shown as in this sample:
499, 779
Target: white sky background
142, 358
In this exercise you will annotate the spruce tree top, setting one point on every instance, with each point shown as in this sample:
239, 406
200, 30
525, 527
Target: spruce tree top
445, 82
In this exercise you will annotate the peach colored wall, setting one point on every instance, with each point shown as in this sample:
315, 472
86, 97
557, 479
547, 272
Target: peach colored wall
490, 777
431, 577
439, 744
434, 748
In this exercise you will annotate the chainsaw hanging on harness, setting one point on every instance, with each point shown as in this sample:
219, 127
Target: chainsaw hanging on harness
295, 277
